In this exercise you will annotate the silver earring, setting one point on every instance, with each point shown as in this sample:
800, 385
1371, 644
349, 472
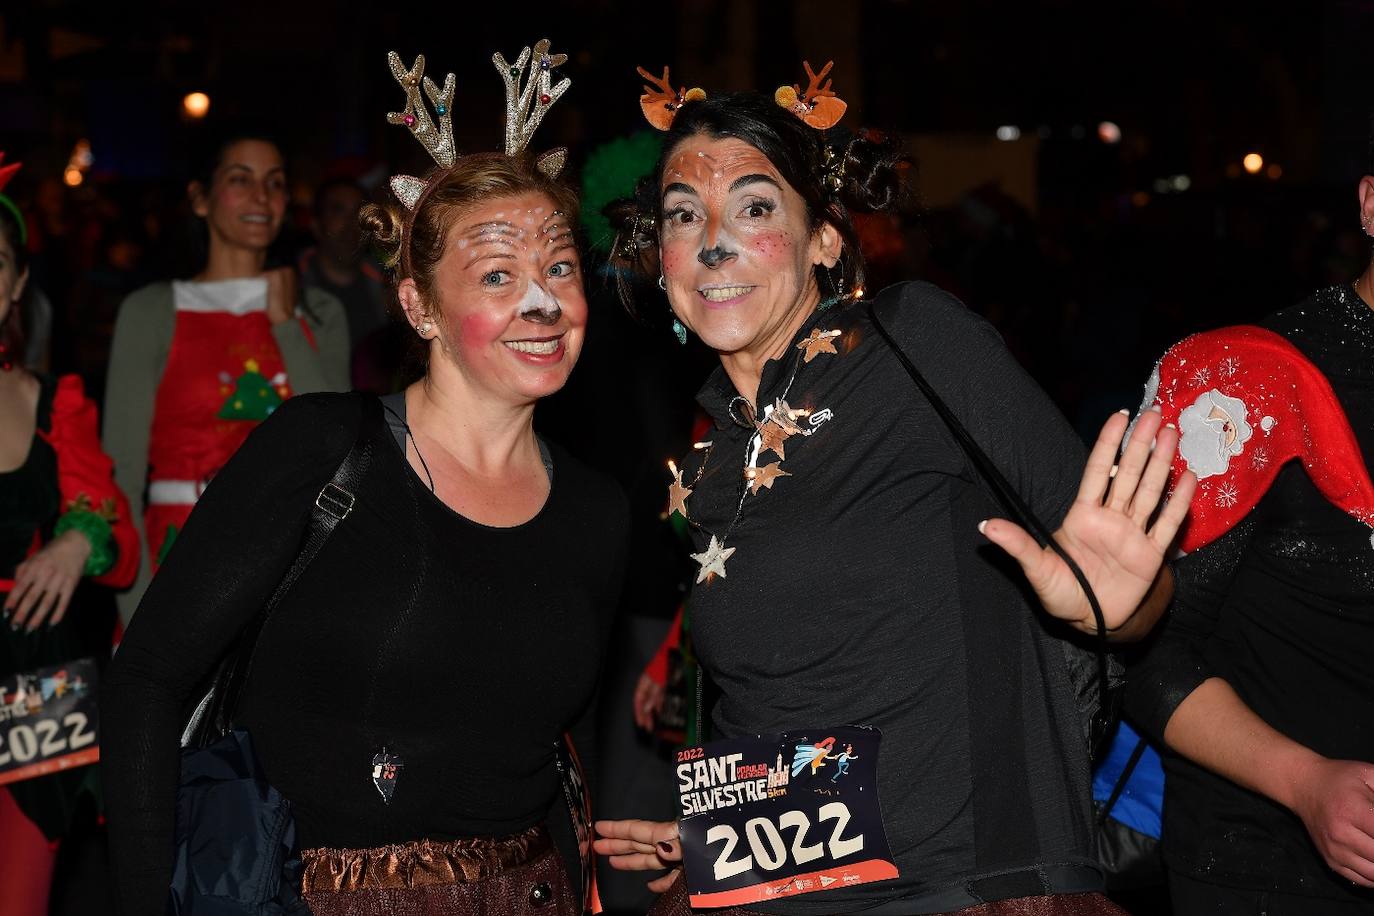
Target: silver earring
664, 286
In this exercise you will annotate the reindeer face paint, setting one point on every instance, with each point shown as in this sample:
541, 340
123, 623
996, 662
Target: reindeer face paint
737, 247
512, 311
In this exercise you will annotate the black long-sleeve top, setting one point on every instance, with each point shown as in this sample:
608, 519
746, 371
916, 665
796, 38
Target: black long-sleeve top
1282, 609
861, 592
464, 649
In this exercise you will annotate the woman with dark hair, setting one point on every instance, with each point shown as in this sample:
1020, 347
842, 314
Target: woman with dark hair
196, 364
62, 519
843, 532
409, 693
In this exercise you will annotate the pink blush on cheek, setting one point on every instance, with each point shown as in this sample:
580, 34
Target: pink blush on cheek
476, 334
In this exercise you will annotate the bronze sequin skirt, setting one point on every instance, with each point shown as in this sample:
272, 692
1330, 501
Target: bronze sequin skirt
477, 876
674, 902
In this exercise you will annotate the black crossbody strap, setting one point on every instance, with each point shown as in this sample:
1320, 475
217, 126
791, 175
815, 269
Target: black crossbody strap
332, 505
1136, 753
1004, 493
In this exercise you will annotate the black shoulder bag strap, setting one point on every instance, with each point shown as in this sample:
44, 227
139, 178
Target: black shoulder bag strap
1021, 513
213, 717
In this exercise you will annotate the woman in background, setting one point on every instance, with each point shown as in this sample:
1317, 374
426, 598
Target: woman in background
196, 364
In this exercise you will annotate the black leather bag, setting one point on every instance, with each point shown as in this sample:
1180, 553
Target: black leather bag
235, 840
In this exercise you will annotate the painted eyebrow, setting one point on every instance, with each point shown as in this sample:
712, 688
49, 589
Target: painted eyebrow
679, 188
491, 248
496, 228
753, 179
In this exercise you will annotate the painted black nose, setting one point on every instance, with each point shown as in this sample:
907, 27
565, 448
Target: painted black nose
543, 316
714, 257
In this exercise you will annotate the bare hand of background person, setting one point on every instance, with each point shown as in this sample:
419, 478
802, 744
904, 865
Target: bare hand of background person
648, 702
641, 846
1336, 804
44, 583
1108, 531
281, 294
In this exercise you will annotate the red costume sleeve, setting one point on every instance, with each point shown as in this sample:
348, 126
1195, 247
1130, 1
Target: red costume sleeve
85, 474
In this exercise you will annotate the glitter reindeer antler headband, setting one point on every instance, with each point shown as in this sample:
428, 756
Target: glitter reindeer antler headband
525, 108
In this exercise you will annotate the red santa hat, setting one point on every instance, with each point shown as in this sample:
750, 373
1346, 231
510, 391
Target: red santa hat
1246, 402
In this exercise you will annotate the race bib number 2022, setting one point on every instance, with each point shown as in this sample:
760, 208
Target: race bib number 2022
775, 816
49, 721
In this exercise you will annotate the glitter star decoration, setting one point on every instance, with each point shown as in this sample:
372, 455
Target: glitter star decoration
763, 478
712, 560
817, 343
677, 495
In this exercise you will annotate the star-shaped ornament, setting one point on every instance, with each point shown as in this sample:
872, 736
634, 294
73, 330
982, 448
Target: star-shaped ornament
783, 415
773, 434
819, 342
712, 560
677, 495
762, 478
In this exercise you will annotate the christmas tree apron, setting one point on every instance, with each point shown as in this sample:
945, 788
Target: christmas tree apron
224, 375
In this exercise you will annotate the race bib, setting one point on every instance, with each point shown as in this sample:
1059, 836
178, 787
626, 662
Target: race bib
780, 815
48, 721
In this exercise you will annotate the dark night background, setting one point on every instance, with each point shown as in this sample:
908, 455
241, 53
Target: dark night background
1090, 257
1081, 251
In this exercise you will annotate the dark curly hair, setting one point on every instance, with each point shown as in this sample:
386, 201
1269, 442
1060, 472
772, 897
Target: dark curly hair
873, 180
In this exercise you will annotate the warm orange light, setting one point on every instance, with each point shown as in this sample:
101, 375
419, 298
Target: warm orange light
1274, 171
1108, 132
1140, 198
72, 176
195, 105
1253, 162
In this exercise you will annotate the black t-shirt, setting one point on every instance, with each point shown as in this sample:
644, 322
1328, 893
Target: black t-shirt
1281, 608
464, 649
862, 593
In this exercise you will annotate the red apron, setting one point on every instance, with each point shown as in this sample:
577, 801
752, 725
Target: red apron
224, 375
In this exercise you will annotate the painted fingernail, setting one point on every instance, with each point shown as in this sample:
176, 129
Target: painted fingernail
983, 527
1156, 408
665, 846
1124, 412
1112, 472
1171, 426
